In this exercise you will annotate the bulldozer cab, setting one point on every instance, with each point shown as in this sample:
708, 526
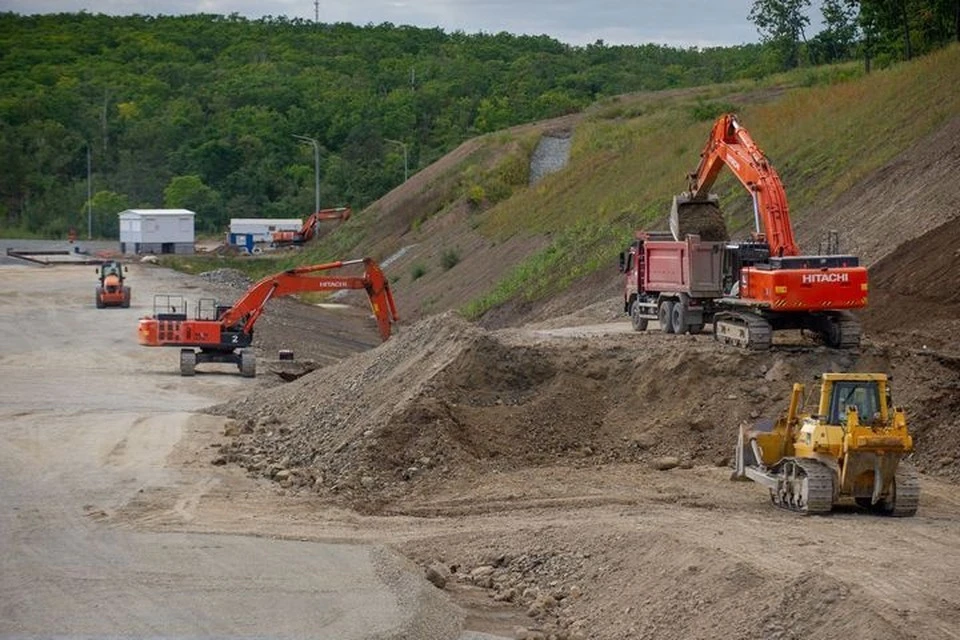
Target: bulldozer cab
866, 392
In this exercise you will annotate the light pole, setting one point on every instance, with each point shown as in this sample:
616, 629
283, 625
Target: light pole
89, 198
316, 167
404, 145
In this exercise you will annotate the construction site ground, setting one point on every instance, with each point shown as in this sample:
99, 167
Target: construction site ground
568, 478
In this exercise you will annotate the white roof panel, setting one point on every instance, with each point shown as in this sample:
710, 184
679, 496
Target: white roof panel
158, 212
268, 221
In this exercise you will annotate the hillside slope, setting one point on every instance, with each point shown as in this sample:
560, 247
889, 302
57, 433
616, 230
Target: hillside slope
576, 475
856, 157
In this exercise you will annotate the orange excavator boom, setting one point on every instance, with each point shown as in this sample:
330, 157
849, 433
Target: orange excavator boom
731, 145
248, 308
309, 228
218, 338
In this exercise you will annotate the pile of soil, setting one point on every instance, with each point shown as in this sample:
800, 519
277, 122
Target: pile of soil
915, 290
701, 218
446, 401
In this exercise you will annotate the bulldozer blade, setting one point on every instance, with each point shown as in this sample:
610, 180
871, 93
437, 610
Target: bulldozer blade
884, 471
739, 469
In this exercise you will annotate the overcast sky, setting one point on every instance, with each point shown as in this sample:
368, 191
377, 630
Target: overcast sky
673, 22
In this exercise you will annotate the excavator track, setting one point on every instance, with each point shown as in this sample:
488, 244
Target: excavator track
806, 486
906, 497
742, 329
840, 330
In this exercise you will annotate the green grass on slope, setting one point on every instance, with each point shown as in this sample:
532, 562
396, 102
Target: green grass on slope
822, 139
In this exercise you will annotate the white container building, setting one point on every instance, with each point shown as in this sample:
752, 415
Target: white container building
145, 231
248, 232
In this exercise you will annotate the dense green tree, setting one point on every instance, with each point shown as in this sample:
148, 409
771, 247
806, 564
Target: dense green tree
189, 192
839, 37
781, 24
219, 99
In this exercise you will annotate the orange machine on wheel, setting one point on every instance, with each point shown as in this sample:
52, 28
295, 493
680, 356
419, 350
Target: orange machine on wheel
111, 289
746, 289
224, 333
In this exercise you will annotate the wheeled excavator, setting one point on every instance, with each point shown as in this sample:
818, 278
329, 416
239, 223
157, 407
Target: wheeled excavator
307, 232
112, 290
747, 289
223, 334
851, 449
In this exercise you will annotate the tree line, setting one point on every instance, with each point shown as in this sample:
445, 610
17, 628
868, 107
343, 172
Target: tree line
204, 111
877, 31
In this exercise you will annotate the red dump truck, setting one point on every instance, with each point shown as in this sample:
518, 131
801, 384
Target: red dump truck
746, 290
671, 281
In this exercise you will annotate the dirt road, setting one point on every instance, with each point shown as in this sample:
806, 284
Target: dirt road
517, 464
89, 422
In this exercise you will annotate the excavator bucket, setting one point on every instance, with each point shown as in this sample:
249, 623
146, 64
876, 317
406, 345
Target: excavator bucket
697, 217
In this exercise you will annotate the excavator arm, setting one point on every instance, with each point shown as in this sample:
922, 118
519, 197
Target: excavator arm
248, 309
731, 145
309, 228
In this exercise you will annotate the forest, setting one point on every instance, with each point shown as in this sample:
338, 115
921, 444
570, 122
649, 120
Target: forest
224, 115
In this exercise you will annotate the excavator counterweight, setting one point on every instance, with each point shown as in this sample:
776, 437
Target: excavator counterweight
224, 333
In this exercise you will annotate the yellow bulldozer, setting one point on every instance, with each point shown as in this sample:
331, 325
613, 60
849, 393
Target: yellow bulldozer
851, 449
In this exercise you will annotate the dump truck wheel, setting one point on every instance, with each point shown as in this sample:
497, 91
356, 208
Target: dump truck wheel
99, 298
678, 318
188, 362
639, 324
665, 316
126, 298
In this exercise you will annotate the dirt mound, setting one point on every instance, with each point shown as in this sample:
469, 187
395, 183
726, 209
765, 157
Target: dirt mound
916, 289
445, 402
900, 201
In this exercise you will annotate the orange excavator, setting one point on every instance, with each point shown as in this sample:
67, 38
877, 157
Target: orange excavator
309, 228
223, 334
746, 289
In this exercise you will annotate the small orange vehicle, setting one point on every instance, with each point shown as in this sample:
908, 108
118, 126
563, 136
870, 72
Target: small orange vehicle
111, 290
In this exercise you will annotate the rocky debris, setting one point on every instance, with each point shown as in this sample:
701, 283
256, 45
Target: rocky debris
551, 155
437, 575
227, 277
666, 463
445, 400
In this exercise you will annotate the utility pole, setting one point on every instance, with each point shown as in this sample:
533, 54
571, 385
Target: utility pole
404, 146
316, 167
316, 11
89, 197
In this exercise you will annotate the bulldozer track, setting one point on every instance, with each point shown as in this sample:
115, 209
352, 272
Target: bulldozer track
806, 487
907, 497
743, 329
